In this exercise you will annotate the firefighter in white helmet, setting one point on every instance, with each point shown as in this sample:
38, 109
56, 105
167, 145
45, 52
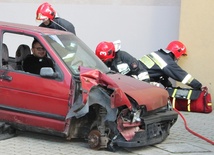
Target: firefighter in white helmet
162, 64
120, 61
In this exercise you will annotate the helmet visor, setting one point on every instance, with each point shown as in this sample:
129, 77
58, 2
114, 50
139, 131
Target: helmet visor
41, 17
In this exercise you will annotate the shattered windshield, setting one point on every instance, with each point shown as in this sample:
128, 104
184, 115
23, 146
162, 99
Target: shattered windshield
75, 53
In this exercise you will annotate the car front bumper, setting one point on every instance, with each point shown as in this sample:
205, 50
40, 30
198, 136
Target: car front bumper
156, 129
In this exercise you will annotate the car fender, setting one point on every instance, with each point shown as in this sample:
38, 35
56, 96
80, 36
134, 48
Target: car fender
96, 96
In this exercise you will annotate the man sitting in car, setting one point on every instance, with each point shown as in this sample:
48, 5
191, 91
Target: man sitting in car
34, 62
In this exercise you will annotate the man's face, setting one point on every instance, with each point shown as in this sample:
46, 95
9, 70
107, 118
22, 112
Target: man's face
108, 62
46, 21
38, 50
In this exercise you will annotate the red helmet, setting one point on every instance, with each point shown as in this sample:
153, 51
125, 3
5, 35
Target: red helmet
177, 48
105, 51
45, 11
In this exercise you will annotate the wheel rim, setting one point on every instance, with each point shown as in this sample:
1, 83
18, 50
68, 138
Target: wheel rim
94, 139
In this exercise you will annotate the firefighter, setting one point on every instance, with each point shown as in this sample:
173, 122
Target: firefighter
49, 18
120, 61
162, 64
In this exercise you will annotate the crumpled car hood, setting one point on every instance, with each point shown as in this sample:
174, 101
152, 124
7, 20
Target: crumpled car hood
143, 93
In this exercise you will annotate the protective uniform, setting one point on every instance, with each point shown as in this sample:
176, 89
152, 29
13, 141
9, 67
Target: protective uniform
60, 24
121, 61
161, 65
46, 12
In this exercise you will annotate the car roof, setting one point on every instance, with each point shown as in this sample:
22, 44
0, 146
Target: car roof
37, 29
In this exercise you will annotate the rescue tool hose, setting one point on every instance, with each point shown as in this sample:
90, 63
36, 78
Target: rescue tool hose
194, 133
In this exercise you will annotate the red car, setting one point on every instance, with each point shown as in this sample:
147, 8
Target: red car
80, 98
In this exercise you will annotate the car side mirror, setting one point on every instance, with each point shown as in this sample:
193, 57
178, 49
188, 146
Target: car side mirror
48, 72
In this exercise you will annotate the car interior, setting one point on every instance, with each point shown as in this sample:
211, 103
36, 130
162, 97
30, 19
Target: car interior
21, 53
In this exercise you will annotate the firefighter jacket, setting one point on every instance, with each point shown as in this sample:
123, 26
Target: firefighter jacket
125, 64
60, 24
161, 65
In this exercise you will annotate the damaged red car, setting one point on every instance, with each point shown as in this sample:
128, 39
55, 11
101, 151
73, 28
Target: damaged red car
80, 98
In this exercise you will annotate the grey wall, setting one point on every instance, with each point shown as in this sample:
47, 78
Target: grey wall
142, 25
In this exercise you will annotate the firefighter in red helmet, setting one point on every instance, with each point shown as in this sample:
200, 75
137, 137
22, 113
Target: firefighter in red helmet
161, 65
120, 61
49, 18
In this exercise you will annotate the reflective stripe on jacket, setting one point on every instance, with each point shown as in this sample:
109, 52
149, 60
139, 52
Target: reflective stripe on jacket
161, 64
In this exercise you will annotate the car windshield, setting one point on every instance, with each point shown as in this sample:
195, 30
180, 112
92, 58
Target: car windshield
75, 53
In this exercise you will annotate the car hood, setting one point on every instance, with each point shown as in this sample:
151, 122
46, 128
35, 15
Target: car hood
143, 93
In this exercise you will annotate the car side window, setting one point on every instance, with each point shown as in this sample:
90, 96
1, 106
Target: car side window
11, 52
21, 48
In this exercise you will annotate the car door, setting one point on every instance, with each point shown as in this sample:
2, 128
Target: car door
30, 99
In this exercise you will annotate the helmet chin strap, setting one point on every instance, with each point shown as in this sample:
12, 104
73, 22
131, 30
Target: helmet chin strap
59, 25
